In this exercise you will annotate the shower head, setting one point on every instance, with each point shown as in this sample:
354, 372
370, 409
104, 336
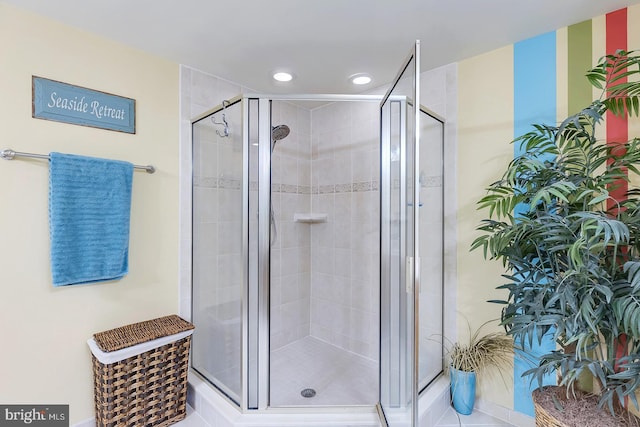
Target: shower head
279, 132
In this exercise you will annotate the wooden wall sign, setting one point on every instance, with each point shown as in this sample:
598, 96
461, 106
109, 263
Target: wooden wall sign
63, 102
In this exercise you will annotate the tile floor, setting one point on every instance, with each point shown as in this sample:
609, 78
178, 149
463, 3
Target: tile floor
452, 419
193, 419
449, 419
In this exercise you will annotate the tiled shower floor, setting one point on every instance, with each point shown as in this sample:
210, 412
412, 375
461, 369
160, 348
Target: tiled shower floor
338, 376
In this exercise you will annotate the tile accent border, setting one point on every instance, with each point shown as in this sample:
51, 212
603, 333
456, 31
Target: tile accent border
236, 184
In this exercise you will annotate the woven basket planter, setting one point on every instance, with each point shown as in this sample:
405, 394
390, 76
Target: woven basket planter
543, 418
140, 373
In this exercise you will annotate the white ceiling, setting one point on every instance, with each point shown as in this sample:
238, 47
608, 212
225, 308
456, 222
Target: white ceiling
321, 42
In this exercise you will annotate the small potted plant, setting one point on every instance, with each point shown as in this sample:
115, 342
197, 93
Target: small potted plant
568, 233
482, 354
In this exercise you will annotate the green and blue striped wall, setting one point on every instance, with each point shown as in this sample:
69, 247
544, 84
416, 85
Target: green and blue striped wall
500, 95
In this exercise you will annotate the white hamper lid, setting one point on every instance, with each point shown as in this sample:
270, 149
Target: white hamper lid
116, 356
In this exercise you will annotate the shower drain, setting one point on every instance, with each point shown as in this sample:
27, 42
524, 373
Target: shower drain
308, 392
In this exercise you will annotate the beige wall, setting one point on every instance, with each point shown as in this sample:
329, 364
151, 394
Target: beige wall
43, 330
482, 141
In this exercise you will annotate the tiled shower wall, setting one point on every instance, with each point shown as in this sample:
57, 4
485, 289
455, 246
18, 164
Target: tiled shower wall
324, 276
199, 92
291, 248
345, 249
216, 187
217, 192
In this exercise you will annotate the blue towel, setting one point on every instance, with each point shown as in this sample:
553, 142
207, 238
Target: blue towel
89, 210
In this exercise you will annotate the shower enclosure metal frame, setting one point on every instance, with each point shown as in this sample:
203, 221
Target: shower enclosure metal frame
399, 246
264, 227
255, 323
255, 305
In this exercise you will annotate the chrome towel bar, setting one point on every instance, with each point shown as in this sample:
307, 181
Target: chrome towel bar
9, 154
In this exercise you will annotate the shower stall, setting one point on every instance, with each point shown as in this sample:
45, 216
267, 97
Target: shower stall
314, 220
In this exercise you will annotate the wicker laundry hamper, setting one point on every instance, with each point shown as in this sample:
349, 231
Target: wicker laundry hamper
140, 373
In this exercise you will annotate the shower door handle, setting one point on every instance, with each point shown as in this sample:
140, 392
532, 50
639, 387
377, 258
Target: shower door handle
408, 274
418, 276
412, 276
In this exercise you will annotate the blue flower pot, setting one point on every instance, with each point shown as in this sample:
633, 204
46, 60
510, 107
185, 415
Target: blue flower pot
463, 390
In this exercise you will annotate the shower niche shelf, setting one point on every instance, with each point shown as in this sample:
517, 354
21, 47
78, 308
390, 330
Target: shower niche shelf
310, 218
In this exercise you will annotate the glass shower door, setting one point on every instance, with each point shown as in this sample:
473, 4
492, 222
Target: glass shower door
399, 259
431, 207
219, 256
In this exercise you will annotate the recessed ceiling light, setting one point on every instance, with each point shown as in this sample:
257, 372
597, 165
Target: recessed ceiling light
360, 79
282, 77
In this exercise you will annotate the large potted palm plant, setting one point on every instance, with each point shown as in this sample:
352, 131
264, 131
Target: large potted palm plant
570, 247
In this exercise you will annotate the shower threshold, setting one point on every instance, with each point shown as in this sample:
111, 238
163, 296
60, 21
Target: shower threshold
216, 410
